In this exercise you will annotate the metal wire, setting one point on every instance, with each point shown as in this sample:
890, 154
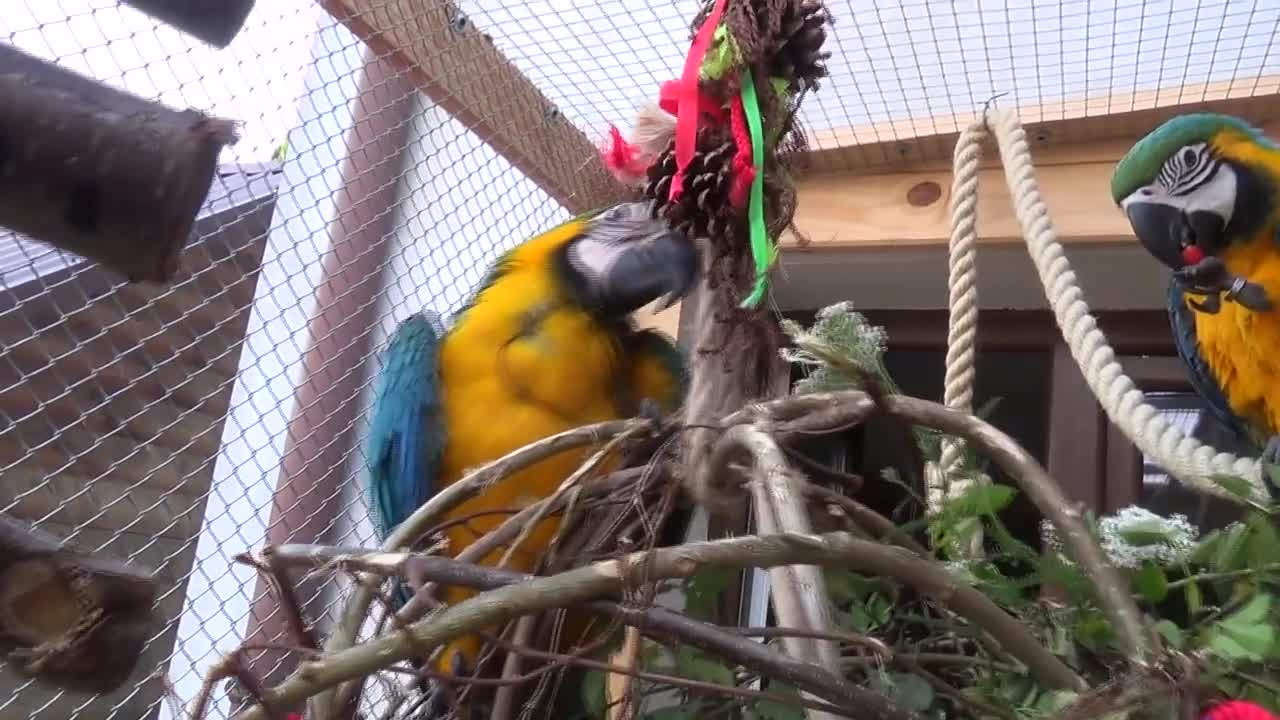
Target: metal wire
153, 424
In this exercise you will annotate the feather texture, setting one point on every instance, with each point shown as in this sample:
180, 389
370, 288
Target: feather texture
406, 438
1182, 322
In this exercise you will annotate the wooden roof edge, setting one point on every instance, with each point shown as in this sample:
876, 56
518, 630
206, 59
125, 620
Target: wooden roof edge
909, 144
441, 50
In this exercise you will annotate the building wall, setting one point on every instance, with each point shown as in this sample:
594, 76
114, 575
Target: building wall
219, 591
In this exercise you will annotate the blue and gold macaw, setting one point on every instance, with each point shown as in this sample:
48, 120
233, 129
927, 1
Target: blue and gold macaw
1202, 192
545, 345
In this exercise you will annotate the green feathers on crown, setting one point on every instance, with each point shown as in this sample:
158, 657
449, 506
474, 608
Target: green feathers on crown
1142, 163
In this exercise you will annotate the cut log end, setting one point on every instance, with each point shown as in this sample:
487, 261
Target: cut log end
69, 619
99, 172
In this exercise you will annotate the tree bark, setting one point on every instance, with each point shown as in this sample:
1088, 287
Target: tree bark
215, 22
100, 172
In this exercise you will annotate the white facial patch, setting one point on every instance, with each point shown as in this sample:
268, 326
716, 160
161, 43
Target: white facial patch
1193, 180
612, 233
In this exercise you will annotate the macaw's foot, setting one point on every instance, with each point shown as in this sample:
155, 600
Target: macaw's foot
1210, 278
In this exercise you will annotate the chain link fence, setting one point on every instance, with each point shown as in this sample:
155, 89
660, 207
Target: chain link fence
177, 427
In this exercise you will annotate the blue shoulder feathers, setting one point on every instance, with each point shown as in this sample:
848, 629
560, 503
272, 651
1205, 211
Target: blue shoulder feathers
406, 435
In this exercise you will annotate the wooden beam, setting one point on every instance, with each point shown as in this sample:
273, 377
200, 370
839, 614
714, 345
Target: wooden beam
896, 209
458, 67
924, 143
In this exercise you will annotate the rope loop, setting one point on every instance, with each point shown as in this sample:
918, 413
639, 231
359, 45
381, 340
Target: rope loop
1183, 457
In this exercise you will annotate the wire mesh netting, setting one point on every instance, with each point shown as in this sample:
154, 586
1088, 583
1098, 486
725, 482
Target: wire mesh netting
174, 426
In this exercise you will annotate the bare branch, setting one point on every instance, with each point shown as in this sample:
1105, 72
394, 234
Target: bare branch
800, 591
344, 633
581, 585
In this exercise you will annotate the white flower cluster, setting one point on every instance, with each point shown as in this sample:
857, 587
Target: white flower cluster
845, 332
1166, 541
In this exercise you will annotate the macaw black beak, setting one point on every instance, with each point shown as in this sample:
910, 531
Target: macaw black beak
663, 265
1165, 231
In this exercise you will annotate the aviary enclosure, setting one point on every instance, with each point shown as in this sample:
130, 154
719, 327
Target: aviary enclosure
187, 372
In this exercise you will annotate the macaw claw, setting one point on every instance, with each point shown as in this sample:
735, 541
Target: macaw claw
1210, 278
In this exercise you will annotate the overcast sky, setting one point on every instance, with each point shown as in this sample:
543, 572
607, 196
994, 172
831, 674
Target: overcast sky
257, 79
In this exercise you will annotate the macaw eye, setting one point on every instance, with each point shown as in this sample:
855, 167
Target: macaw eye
1189, 157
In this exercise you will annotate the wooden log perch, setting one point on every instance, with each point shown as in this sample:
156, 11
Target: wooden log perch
70, 619
215, 22
99, 172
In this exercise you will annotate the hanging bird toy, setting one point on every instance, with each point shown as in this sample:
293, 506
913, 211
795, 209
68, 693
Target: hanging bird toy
712, 154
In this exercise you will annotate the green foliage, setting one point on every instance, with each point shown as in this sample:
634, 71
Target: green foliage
1215, 597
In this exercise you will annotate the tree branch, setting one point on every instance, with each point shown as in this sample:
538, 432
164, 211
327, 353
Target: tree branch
581, 585
800, 591
344, 634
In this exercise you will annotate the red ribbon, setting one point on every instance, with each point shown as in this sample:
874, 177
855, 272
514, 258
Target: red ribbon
744, 169
669, 100
1238, 710
687, 117
622, 158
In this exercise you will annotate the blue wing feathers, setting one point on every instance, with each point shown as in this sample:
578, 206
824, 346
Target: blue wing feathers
406, 434
1183, 323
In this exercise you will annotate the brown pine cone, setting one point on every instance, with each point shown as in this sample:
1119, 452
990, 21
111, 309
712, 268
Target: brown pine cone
703, 208
796, 50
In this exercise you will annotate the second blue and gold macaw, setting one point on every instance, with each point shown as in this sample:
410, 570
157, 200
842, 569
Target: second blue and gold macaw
545, 345
1202, 193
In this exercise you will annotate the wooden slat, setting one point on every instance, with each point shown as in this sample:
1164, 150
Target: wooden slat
459, 68
850, 209
919, 143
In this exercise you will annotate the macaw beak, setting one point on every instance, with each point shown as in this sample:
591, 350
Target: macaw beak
662, 266
1166, 231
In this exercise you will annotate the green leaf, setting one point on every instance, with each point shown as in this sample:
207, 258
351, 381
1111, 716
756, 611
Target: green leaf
910, 691
845, 586
1202, 553
1171, 633
1151, 582
980, 499
1144, 533
1237, 486
1263, 545
1254, 612
1230, 554
1194, 598
593, 697
703, 588
692, 664
772, 710
1245, 634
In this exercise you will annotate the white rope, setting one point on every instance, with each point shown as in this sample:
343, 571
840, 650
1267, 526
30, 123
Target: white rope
1187, 459
962, 322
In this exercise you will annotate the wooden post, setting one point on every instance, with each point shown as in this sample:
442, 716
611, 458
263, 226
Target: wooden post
215, 22
99, 172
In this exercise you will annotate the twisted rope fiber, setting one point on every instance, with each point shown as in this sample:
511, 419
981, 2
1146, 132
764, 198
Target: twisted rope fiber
962, 280
1184, 457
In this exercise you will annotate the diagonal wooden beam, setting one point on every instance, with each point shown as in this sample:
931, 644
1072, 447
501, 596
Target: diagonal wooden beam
458, 67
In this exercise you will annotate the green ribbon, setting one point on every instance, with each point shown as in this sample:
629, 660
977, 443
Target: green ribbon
762, 250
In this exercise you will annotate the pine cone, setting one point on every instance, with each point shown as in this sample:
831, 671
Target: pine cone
703, 208
796, 51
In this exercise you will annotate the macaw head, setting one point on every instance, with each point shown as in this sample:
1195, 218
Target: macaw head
623, 258
1196, 185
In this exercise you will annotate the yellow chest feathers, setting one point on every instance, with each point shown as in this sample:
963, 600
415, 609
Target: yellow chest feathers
523, 363
1242, 347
